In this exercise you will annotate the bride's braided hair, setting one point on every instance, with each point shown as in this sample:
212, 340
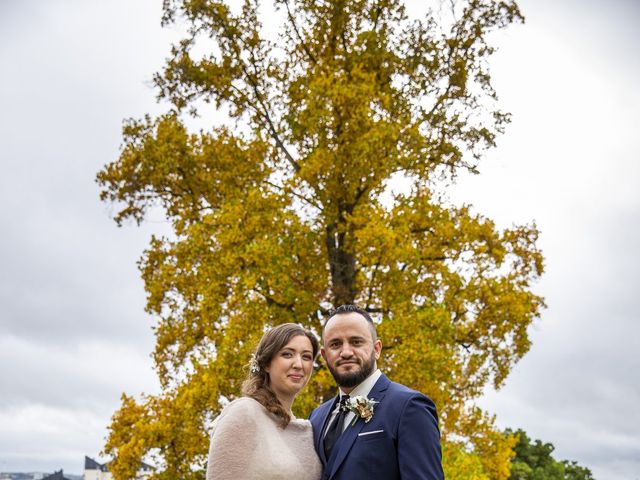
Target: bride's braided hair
256, 384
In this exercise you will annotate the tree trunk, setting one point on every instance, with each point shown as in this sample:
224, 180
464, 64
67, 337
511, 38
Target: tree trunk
343, 268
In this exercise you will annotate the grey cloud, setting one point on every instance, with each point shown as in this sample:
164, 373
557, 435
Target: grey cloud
67, 272
35, 438
89, 376
576, 388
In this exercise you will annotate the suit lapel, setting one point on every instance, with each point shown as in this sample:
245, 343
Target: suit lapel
349, 436
324, 416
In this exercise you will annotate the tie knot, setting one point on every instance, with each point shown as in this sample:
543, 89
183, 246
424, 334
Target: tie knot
344, 402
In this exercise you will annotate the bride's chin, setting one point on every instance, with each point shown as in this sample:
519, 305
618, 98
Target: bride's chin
302, 385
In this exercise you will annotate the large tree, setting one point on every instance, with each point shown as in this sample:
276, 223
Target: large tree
286, 210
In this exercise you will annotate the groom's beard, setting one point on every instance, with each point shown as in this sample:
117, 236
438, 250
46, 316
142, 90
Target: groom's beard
351, 379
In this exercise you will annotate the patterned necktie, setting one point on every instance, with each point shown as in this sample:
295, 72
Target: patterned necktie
335, 429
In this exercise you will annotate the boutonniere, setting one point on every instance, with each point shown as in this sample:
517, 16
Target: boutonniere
362, 407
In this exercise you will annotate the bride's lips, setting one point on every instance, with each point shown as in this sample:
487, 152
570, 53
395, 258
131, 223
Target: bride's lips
296, 376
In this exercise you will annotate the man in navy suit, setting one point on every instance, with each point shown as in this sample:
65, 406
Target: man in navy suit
400, 440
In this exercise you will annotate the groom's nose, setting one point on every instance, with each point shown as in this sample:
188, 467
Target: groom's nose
346, 351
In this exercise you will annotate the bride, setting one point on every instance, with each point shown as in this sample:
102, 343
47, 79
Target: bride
257, 436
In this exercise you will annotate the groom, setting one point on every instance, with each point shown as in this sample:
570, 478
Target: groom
400, 440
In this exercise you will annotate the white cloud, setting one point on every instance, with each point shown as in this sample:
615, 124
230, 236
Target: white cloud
44, 438
87, 375
59, 400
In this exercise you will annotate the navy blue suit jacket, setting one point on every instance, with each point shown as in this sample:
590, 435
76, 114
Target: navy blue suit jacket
401, 441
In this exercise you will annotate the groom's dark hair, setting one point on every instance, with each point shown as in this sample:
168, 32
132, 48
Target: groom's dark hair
354, 308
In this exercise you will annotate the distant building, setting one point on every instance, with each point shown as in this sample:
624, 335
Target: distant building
95, 471
99, 471
56, 476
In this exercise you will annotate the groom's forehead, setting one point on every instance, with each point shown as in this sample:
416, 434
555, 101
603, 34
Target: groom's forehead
348, 325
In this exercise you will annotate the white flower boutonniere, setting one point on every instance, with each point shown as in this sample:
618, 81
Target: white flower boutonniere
362, 407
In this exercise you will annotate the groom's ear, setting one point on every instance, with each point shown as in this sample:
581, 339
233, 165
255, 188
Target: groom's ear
377, 347
322, 352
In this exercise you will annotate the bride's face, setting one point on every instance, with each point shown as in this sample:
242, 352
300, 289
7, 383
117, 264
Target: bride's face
291, 367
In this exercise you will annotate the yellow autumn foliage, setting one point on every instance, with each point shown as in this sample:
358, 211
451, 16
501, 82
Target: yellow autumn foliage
287, 211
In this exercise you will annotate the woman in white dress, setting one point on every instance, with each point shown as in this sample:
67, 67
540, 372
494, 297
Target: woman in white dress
257, 436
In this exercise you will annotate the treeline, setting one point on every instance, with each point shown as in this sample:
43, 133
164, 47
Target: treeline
533, 461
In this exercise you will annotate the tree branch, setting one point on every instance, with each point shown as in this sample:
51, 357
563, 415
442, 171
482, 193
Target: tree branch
264, 112
294, 193
272, 301
295, 29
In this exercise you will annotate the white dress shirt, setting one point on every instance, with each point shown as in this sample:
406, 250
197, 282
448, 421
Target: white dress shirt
362, 389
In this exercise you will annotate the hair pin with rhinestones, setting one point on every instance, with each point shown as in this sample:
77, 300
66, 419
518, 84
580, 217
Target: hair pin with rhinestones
253, 364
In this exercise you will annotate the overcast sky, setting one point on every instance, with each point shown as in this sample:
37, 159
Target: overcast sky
73, 333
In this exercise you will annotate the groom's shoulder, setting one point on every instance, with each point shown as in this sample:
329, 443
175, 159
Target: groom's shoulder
324, 404
402, 391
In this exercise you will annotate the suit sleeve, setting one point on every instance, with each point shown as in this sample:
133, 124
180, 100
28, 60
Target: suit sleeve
419, 452
232, 443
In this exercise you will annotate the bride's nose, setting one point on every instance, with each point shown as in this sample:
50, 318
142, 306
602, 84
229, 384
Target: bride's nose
297, 362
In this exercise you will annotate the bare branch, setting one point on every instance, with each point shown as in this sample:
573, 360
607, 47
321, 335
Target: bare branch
295, 29
264, 113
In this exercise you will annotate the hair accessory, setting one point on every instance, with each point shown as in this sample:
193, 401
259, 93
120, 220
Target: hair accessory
253, 364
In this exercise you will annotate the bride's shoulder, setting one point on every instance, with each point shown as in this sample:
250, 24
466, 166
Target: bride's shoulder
300, 423
241, 412
243, 405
